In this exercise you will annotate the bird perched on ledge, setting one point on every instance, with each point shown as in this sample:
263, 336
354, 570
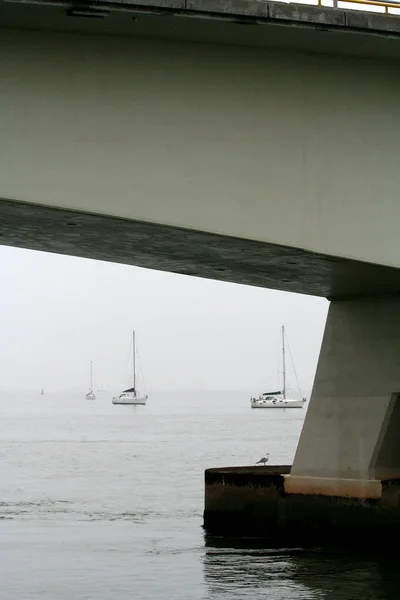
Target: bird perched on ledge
263, 461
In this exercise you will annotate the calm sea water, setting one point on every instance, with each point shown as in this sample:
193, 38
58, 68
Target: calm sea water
103, 502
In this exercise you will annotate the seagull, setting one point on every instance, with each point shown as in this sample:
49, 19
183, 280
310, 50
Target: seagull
263, 461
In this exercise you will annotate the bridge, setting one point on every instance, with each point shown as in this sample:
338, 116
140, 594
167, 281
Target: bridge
247, 141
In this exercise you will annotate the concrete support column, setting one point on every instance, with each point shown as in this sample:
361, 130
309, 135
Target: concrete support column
350, 440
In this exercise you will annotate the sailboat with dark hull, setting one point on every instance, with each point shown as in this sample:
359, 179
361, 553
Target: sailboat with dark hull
131, 396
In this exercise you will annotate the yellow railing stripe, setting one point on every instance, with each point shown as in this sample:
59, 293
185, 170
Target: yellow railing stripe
385, 5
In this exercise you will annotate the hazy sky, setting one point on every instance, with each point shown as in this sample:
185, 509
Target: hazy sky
59, 312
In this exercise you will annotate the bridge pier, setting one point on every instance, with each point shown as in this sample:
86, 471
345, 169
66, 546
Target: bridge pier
346, 471
351, 430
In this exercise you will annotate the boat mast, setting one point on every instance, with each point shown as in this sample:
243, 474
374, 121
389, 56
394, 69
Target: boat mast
283, 363
91, 378
134, 365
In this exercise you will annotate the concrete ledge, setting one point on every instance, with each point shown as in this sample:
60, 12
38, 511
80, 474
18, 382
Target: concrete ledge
157, 4
301, 13
254, 502
345, 488
243, 8
247, 475
258, 11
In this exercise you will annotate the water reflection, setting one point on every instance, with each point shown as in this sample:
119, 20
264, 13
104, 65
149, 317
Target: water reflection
248, 569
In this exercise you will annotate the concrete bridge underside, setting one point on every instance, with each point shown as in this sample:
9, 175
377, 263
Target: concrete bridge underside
256, 164
266, 158
190, 252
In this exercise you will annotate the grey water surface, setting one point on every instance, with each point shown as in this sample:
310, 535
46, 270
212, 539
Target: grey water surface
105, 502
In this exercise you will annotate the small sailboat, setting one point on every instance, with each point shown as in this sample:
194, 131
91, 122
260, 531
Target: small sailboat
91, 395
277, 399
131, 395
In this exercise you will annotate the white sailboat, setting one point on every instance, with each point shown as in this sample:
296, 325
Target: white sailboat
131, 396
91, 395
277, 399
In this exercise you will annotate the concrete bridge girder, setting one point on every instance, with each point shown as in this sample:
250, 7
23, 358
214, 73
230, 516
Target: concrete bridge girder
281, 165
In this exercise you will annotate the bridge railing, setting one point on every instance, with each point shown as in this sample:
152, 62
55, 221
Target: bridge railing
388, 8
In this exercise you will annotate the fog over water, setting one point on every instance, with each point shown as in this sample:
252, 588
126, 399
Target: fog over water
59, 313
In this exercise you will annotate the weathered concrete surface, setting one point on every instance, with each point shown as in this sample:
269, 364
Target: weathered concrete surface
245, 501
301, 28
250, 11
353, 418
189, 252
242, 498
326, 486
